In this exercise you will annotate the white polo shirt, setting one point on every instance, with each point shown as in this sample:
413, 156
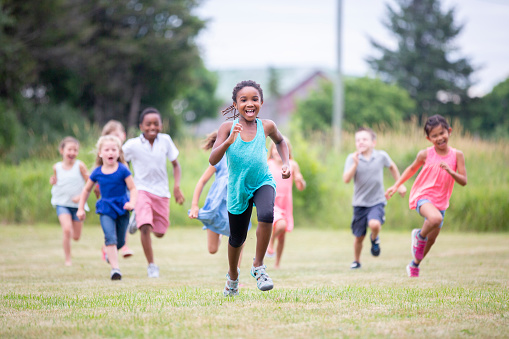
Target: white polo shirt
149, 162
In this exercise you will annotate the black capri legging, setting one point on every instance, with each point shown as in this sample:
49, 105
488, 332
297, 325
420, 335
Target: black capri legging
263, 199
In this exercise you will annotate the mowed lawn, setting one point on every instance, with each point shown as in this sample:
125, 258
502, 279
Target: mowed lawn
463, 290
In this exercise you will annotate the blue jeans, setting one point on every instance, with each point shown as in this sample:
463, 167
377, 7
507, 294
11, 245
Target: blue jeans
68, 210
114, 229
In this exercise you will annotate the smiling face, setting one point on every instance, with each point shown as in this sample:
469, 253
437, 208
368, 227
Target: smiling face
69, 151
439, 137
109, 152
151, 126
364, 142
248, 103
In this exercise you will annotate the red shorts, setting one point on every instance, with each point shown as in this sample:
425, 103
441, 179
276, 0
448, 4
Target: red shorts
152, 210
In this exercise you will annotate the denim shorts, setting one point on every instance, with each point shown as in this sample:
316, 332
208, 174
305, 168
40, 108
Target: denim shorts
362, 216
68, 210
424, 201
114, 229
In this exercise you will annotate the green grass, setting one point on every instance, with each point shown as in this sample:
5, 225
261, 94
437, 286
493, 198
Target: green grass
463, 290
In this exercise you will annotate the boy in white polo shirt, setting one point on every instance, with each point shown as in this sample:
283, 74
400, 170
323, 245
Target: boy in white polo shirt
366, 167
148, 154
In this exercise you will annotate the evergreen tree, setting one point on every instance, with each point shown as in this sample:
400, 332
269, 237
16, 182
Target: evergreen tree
424, 62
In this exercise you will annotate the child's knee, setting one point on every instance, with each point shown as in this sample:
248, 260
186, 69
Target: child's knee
213, 249
145, 229
158, 235
436, 220
76, 237
375, 225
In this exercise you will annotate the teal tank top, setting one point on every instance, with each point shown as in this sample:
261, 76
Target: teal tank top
247, 169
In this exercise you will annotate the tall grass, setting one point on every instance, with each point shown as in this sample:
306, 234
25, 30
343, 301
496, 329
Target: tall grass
326, 202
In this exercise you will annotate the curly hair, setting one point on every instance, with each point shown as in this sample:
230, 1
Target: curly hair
209, 141
236, 89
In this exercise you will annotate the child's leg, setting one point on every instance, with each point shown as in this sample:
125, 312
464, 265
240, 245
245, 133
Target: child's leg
213, 241
76, 229
67, 226
280, 247
239, 224
278, 229
357, 248
375, 226
431, 226
109, 226
263, 199
146, 242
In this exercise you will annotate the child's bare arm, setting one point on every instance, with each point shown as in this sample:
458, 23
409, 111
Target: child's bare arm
53, 178
177, 173
84, 171
395, 174
460, 176
300, 183
83, 199
209, 172
223, 141
133, 193
350, 173
407, 173
271, 130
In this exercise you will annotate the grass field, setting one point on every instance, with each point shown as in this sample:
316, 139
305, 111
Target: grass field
463, 290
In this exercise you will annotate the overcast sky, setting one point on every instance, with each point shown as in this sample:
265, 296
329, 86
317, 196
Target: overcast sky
302, 33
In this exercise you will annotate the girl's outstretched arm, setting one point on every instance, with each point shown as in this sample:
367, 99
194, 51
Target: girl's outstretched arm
83, 199
395, 174
84, 174
408, 173
300, 183
223, 141
177, 173
53, 178
271, 130
460, 176
133, 193
209, 172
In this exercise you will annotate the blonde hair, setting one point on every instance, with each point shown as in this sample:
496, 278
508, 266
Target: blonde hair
272, 145
209, 141
111, 126
99, 145
67, 140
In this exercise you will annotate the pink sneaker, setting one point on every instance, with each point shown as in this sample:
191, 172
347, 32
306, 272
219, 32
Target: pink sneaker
418, 245
413, 272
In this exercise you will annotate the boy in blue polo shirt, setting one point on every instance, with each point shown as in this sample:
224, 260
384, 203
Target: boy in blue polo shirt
366, 167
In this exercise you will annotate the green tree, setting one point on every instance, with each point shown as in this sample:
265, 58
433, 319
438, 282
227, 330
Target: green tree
424, 61
368, 102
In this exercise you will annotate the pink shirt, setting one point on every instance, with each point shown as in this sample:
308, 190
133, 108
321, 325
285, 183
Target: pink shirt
434, 183
283, 206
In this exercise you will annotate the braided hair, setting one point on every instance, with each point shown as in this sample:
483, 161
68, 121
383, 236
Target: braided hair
236, 89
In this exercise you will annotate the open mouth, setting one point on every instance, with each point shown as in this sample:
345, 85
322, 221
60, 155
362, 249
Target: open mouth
250, 111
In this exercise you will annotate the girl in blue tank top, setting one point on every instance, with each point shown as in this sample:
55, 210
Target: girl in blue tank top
250, 180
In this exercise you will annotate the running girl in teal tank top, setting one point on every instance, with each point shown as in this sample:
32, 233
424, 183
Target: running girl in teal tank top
250, 180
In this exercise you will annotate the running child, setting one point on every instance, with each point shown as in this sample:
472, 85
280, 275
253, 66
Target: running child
366, 167
214, 214
148, 155
114, 179
68, 179
283, 206
442, 165
250, 181
114, 127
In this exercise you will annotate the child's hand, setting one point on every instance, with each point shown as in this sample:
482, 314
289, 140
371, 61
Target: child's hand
179, 197
285, 171
236, 130
193, 214
402, 190
81, 214
76, 199
129, 206
53, 180
443, 165
97, 191
300, 183
390, 192
355, 158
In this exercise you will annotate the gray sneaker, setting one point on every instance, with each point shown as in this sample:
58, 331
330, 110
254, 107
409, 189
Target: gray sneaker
153, 271
231, 288
132, 227
115, 274
263, 281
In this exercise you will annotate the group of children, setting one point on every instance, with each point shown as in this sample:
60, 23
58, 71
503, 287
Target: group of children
247, 174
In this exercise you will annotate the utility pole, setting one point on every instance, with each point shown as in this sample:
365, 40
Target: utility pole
337, 114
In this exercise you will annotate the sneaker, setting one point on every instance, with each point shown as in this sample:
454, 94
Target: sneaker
153, 271
263, 281
132, 227
418, 245
269, 253
115, 274
231, 288
126, 252
375, 246
413, 272
355, 265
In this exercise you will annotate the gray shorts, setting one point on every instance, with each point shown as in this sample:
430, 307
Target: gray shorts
362, 215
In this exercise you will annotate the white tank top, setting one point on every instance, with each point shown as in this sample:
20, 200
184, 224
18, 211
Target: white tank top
69, 184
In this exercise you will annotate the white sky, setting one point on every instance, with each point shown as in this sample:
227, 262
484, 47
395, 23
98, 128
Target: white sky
302, 33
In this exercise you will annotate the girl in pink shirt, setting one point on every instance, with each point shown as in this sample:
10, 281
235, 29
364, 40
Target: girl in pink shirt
441, 165
283, 205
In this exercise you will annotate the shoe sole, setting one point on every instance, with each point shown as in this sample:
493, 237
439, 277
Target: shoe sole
414, 234
127, 255
266, 288
116, 276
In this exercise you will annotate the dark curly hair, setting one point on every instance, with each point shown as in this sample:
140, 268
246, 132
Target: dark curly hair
236, 89
434, 121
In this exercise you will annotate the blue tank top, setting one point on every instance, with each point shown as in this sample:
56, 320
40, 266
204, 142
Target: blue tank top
247, 169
